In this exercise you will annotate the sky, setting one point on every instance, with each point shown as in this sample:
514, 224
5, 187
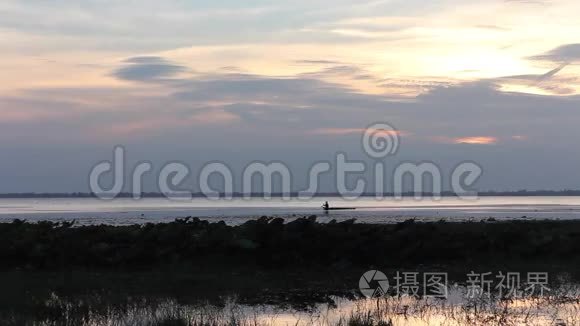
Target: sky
495, 82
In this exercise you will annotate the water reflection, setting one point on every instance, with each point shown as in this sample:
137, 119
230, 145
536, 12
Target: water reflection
560, 309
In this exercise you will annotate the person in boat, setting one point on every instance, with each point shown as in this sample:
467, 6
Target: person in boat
325, 206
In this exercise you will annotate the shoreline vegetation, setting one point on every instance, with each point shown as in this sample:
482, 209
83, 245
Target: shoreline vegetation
269, 261
273, 243
387, 311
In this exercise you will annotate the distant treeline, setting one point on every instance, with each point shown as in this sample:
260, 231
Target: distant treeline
293, 194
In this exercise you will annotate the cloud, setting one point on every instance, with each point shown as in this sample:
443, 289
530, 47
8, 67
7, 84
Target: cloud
552, 72
412, 87
135, 128
318, 62
146, 60
146, 69
270, 117
342, 70
127, 25
356, 131
569, 53
301, 106
549, 81
472, 140
477, 140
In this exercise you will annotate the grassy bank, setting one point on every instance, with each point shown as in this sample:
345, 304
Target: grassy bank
266, 261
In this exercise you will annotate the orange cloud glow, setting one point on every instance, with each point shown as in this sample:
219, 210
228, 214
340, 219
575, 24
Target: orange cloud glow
480, 140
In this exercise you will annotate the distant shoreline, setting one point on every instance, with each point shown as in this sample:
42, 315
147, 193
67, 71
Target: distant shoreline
520, 193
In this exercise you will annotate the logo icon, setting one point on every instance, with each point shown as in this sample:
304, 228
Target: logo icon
373, 284
380, 140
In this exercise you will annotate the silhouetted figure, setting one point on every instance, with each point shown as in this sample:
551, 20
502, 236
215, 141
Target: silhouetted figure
325, 206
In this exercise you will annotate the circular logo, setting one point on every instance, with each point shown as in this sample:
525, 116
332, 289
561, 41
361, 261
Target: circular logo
380, 140
373, 284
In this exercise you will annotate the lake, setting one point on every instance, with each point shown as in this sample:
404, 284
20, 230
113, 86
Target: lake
368, 209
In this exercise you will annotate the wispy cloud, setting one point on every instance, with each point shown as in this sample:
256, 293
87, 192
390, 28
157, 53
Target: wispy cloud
552, 72
476, 140
147, 68
319, 62
568, 53
356, 131
549, 81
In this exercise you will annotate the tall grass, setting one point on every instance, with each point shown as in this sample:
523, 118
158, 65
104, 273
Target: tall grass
560, 309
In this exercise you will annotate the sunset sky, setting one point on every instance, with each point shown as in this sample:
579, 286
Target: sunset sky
496, 82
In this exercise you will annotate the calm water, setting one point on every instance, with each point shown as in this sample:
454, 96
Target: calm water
369, 209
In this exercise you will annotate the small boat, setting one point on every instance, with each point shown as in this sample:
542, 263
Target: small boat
338, 208
326, 207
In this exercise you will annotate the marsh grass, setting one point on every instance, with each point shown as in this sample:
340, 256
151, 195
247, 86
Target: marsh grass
59, 275
561, 308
